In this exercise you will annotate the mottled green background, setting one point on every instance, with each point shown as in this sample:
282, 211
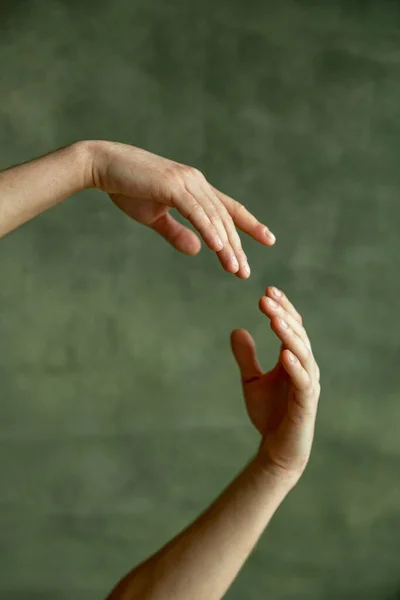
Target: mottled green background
121, 414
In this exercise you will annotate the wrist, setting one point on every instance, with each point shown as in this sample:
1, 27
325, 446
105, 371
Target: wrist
98, 154
281, 479
91, 156
84, 154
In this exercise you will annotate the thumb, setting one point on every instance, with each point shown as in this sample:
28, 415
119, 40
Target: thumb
244, 351
180, 237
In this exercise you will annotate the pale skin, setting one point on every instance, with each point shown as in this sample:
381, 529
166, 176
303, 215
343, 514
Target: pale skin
143, 185
202, 562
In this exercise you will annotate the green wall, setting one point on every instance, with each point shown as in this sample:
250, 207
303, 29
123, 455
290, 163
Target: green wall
121, 414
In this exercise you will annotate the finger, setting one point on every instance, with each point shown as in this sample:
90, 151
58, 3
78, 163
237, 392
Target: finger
227, 256
244, 351
287, 311
298, 375
233, 237
291, 341
228, 259
180, 237
283, 300
245, 220
189, 208
270, 307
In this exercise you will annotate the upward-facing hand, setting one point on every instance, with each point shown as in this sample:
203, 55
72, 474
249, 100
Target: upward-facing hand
146, 186
282, 403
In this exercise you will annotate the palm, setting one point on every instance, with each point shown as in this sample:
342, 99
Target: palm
155, 214
146, 212
281, 403
266, 399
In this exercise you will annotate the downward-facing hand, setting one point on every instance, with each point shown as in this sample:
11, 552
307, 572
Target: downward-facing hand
146, 187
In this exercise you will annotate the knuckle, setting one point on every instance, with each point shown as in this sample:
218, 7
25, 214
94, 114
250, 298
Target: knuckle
299, 412
308, 385
191, 172
172, 171
309, 352
310, 382
238, 208
284, 315
195, 210
179, 173
172, 176
213, 215
316, 389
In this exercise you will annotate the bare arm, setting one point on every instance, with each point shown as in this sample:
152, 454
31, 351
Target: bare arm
202, 562
33, 187
204, 559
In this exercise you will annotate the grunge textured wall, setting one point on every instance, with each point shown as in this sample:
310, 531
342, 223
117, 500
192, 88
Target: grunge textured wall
121, 414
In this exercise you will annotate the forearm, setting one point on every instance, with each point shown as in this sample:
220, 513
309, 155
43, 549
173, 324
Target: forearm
31, 188
204, 559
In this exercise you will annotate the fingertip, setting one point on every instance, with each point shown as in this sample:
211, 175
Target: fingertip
229, 269
264, 306
214, 239
190, 247
290, 358
240, 340
228, 261
265, 235
182, 238
243, 273
261, 304
241, 335
270, 236
274, 292
235, 332
238, 332
232, 267
215, 243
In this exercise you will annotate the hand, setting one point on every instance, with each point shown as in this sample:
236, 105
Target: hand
146, 186
282, 404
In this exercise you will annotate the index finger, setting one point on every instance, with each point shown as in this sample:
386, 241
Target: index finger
246, 221
284, 301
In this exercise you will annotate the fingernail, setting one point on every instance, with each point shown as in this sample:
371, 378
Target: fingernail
270, 235
292, 358
277, 292
272, 303
284, 324
247, 268
219, 242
